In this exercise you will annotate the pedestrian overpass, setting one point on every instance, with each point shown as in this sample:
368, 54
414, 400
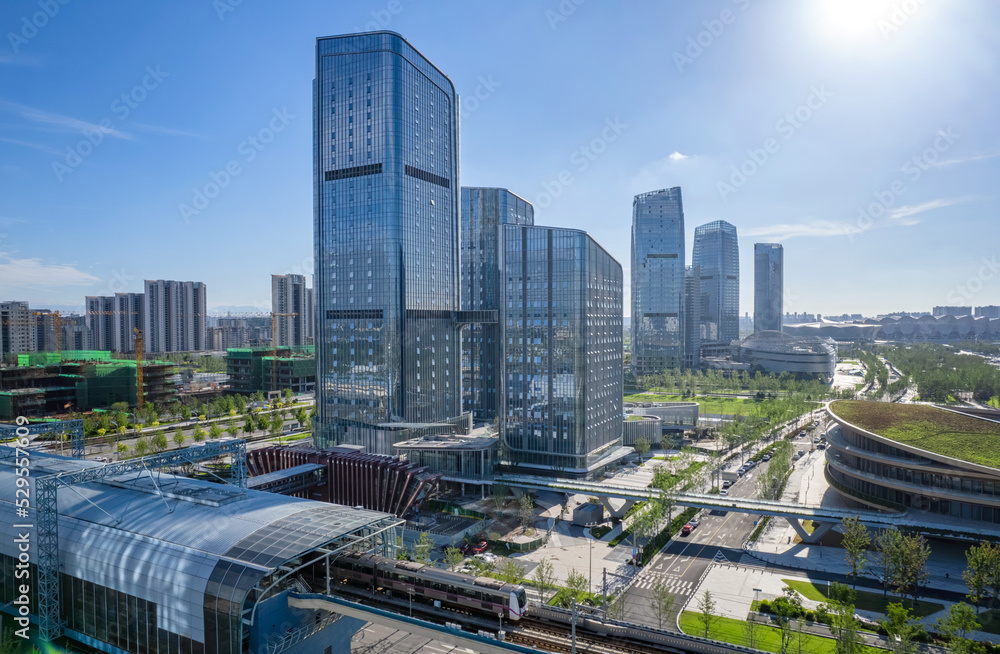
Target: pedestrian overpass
823, 518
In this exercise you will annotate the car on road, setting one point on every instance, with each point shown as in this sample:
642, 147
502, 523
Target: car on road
802, 434
465, 547
821, 446
765, 458
723, 492
726, 484
800, 454
815, 439
694, 522
480, 547
689, 527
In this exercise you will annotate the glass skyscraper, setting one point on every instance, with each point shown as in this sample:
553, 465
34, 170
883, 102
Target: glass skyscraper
717, 253
562, 339
484, 212
386, 219
768, 286
657, 282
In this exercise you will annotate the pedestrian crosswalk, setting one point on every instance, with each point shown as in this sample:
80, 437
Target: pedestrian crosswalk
674, 585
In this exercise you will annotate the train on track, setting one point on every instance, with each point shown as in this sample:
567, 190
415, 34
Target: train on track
481, 595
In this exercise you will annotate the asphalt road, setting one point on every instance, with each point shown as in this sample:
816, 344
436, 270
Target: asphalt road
682, 563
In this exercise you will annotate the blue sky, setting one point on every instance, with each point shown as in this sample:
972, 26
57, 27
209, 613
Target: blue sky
862, 134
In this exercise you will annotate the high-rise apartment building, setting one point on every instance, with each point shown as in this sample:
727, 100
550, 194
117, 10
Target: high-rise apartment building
46, 333
657, 282
952, 311
75, 333
992, 311
100, 320
129, 316
484, 213
387, 242
562, 322
692, 314
291, 302
768, 286
17, 330
175, 316
717, 252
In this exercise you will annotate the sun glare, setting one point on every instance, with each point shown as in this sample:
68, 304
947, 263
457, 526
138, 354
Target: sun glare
851, 18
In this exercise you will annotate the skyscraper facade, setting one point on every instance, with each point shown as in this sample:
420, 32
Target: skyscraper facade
768, 286
484, 213
657, 282
717, 252
562, 322
692, 314
129, 315
100, 321
386, 229
291, 302
175, 316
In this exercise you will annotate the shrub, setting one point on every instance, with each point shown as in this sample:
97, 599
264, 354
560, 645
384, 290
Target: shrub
764, 606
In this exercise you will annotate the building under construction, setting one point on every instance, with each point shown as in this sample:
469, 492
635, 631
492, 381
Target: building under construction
252, 369
47, 383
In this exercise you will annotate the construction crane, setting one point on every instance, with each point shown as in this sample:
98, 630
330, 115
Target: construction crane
274, 347
138, 368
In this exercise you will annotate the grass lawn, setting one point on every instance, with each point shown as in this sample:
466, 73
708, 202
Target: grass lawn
931, 429
729, 630
850, 362
724, 405
990, 621
866, 601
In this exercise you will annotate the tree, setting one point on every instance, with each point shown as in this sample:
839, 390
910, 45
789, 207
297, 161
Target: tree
576, 584
215, 431
248, 425
888, 559
232, 429
900, 623
454, 557
913, 568
277, 422
499, 496
263, 422
856, 542
179, 438
511, 571
960, 621
159, 441
982, 562
788, 608
641, 447
544, 578
526, 509
141, 446
751, 632
844, 626
618, 608
706, 613
199, 434
663, 601
122, 450
422, 550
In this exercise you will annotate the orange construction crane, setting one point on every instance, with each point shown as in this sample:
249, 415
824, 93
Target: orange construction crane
274, 347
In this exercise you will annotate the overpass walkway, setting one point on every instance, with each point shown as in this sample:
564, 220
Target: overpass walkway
823, 518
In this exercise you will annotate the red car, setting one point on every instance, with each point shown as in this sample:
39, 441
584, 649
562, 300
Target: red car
685, 530
465, 547
480, 548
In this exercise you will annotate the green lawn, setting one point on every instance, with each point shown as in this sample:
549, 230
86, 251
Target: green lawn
865, 601
935, 430
729, 630
725, 405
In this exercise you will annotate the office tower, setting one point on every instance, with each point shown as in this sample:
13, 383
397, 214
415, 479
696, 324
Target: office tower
17, 333
717, 252
768, 286
692, 315
175, 316
952, 311
484, 213
100, 321
562, 321
991, 311
129, 315
291, 302
387, 242
310, 310
657, 282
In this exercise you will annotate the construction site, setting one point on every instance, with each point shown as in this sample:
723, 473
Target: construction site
252, 369
50, 383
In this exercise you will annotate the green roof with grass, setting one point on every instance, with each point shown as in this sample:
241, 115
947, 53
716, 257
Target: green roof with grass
927, 428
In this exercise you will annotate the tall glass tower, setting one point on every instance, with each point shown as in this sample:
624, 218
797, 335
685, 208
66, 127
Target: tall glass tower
484, 213
562, 321
657, 282
768, 286
386, 241
717, 252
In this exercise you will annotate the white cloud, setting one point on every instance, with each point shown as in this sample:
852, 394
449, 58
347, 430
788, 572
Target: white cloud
57, 122
33, 274
677, 156
904, 215
961, 160
785, 231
